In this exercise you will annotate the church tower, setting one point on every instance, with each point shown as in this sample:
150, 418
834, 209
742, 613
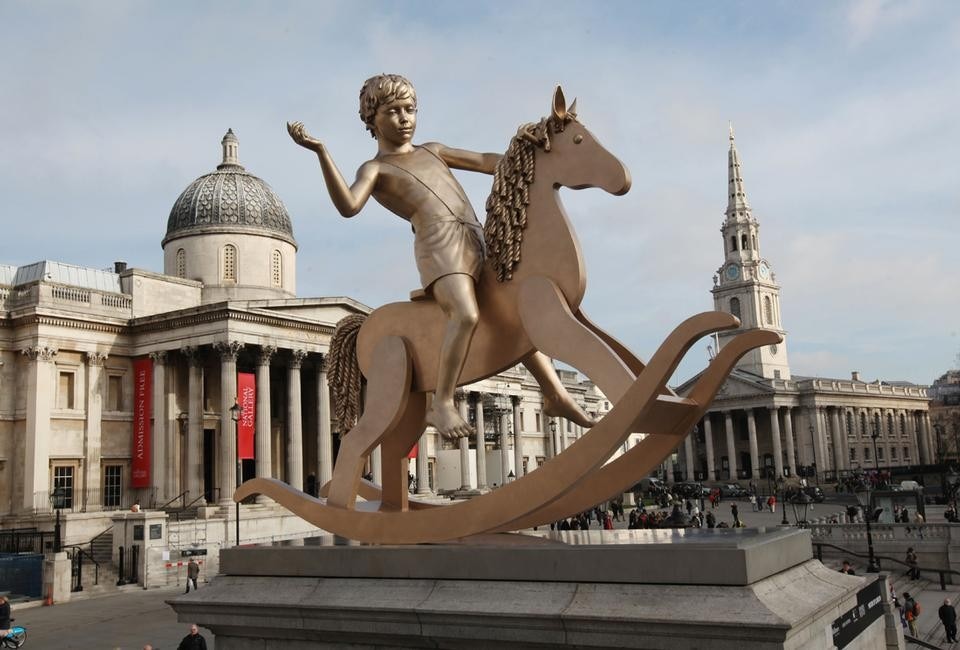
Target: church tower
745, 285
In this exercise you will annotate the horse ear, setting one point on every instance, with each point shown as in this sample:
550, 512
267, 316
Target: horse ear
559, 105
572, 110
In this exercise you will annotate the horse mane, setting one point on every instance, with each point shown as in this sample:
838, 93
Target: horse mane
507, 203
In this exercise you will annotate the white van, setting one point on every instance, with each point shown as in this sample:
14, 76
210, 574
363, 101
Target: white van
910, 485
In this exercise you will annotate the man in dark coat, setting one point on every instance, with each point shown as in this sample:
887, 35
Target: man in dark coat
948, 616
193, 641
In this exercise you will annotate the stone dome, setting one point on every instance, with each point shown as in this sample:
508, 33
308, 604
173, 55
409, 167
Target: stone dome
230, 199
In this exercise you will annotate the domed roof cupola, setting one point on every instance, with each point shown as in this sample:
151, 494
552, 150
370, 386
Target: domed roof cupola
229, 199
229, 231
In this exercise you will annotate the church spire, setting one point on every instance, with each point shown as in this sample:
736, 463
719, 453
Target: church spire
231, 148
737, 204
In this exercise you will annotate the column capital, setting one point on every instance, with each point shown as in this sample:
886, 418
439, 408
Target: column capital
459, 395
296, 358
321, 362
159, 357
515, 400
192, 354
95, 358
40, 352
228, 350
266, 353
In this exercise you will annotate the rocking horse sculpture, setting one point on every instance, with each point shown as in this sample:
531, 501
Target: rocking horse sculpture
529, 295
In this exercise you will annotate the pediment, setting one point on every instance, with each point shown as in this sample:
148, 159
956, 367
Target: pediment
737, 385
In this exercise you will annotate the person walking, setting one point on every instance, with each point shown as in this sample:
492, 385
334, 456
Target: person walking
193, 572
911, 611
4, 616
846, 568
193, 641
911, 560
772, 503
948, 616
735, 511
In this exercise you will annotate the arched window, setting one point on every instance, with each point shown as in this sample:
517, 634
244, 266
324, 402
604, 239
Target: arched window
767, 310
230, 262
850, 431
891, 431
754, 242
744, 244
733, 243
276, 266
735, 307
181, 263
863, 424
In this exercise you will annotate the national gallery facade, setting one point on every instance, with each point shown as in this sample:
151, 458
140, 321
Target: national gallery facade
132, 385
767, 422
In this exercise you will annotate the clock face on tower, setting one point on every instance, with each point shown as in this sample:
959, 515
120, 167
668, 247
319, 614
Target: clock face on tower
733, 272
763, 270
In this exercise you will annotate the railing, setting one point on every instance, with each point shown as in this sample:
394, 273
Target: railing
182, 495
23, 540
942, 572
76, 553
90, 500
210, 496
70, 294
879, 532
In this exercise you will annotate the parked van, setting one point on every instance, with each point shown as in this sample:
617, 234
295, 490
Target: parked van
910, 485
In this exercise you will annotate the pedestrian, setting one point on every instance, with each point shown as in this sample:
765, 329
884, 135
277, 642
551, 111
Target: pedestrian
735, 511
4, 616
911, 560
772, 503
911, 611
711, 520
852, 512
607, 521
689, 506
136, 506
846, 568
194, 640
193, 572
753, 502
948, 616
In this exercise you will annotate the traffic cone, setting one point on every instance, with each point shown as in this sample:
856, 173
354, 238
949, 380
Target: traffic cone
49, 599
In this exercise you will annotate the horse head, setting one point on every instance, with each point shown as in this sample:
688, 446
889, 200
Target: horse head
575, 158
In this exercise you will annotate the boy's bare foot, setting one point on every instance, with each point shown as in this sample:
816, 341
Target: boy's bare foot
563, 406
447, 421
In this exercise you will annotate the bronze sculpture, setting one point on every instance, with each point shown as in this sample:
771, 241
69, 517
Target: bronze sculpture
528, 299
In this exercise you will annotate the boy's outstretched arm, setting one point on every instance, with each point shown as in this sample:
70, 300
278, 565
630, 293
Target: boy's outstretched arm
470, 161
348, 200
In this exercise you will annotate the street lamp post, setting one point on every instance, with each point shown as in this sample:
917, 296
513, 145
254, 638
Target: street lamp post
800, 502
553, 436
58, 499
235, 412
863, 496
783, 504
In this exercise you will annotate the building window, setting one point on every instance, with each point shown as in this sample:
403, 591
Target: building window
112, 486
866, 453
537, 416
754, 238
893, 453
906, 454
879, 453
523, 420
65, 391
891, 431
735, 307
776, 374
733, 243
277, 269
114, 393
63, 478
767, 310
863, 423
853, 454
849, 419
743, 243
540, 461
181, 263
526, 463
903, 426
230, 262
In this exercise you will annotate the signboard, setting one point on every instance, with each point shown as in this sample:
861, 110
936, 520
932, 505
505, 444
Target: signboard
869, 608
191, 552
142, 410
247, 399
156, 531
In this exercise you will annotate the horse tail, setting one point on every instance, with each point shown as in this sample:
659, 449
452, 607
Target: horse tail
343, 368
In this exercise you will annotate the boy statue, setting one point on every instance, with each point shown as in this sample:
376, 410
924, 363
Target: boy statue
415, 183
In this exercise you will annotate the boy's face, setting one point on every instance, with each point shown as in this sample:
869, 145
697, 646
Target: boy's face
396, 121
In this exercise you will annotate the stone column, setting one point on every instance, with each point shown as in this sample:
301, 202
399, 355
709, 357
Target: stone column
324, 435
925, 432
517, 438
294, 421
227, 458
731, 445
819, 454
41, 387
93, 427
423, 466
708, 441
838, 463
158, 437
376, 465
461, 398
688, 474
263, 435
788, 435
919, 444
504, 447
754, 456
561, 435
193, 450
777, 446
481, 444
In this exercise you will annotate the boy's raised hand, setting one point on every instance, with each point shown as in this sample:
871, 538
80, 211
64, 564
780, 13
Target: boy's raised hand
299, 134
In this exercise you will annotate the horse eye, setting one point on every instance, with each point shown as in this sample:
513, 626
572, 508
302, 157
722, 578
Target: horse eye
577, 139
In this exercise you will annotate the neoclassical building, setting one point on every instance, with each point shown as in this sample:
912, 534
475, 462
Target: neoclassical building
118, 385
768, 422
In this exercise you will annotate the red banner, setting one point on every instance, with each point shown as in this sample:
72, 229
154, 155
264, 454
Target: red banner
142, 411
247, 399
413, 452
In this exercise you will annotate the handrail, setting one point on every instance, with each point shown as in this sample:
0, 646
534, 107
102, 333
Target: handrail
212, 491
99, 535
182, 494
920, 642
942, 572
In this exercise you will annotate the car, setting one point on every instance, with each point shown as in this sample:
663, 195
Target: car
689, 490
733, 491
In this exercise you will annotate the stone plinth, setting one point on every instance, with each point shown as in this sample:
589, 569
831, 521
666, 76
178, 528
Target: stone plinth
732, 588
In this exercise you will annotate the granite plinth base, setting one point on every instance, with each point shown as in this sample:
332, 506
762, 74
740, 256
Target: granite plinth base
459, 596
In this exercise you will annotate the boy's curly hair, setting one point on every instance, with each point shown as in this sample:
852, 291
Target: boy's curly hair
382, 89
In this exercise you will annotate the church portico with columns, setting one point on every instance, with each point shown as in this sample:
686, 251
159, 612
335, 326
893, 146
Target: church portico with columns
768, 423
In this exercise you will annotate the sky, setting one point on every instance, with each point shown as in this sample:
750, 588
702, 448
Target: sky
847, 117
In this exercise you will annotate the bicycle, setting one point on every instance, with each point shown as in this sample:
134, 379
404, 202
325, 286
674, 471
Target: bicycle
15, 638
